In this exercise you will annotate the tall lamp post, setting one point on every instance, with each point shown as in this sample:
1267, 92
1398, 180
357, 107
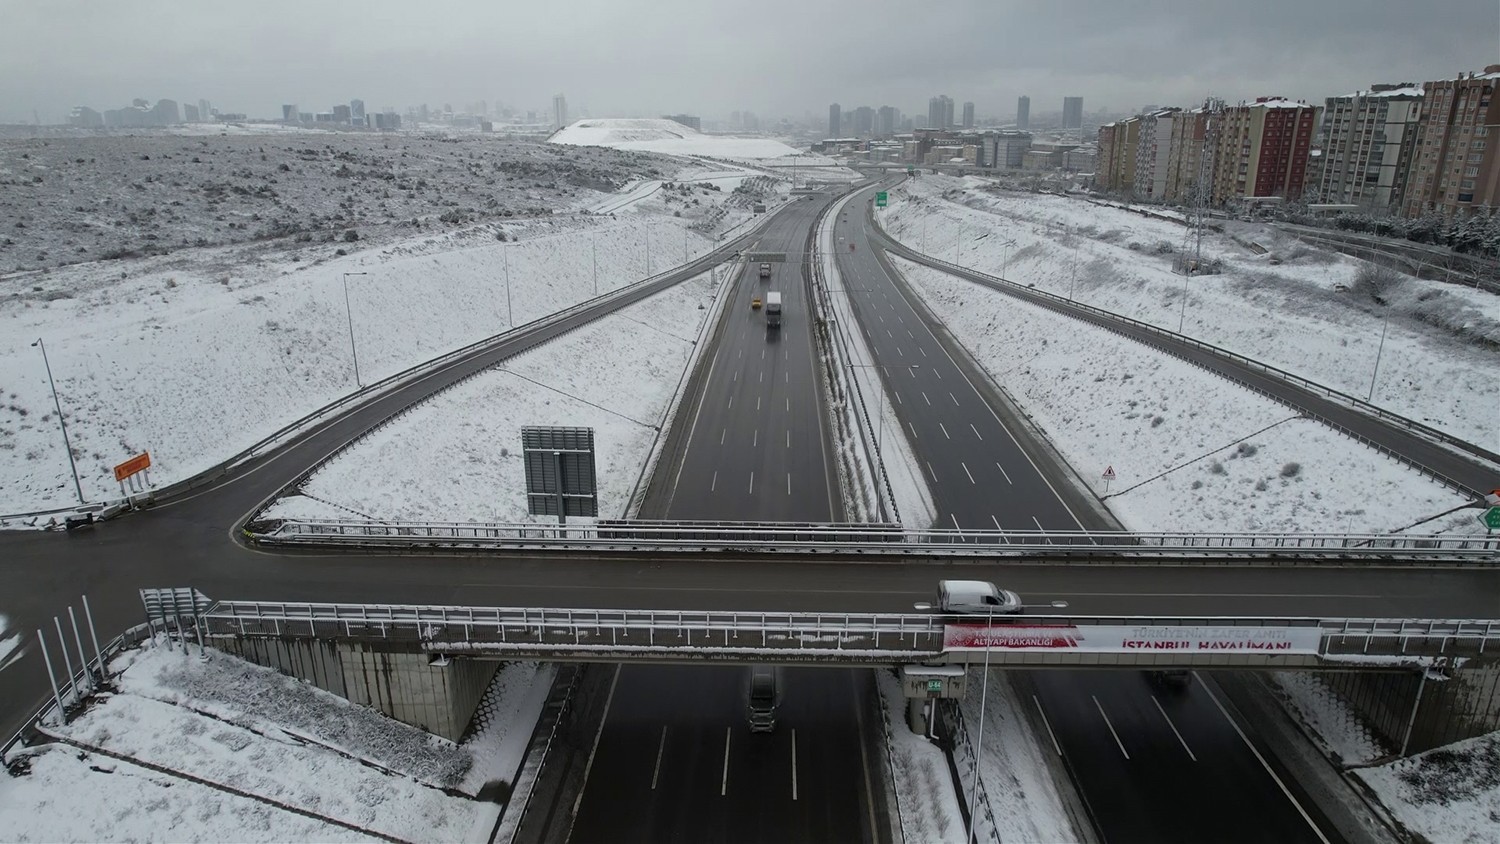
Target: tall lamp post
1005, 261
984, 688
349, 312
67, 446
1378, 351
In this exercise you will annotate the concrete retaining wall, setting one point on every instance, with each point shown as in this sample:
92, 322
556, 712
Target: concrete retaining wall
1463, 705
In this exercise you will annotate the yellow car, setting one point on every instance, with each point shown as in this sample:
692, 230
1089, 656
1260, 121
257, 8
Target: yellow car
755, 303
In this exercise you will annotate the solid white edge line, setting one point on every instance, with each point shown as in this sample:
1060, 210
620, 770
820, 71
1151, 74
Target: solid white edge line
1174, 729
724, 784
589, 767
1111, 727
1048, 724
661, 746
1246, 739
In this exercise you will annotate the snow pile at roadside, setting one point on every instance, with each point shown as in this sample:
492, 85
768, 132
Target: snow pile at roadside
1235, 461
1013, 767
457, 457
197, 366
1308, 314
10, 641
1343, 733
503, 722
664, 136
923, 787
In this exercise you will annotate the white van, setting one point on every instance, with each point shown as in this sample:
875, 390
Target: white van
976, 597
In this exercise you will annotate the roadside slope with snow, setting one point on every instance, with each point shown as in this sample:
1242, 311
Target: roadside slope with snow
664, 136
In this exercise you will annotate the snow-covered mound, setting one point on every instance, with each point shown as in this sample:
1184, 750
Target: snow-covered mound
664, 136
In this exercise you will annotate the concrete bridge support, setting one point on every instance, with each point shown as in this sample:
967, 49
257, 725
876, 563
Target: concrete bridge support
406, 686
1415, 712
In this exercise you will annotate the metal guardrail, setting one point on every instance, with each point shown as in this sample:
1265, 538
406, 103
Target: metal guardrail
374, 390
867, 538
1372, 410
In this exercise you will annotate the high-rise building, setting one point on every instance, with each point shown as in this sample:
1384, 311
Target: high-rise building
864, 121
835, 120
204, 112
940, 112
559, 111
1023, 113
1186, 159
340, 113
166, 113
1454, 167
1261, 149
357, 112
288, 114
968, 115
189, 113
1367, 141
84, 117
1114, 168
1072, 112
1004, 150
887, 118
1153, 145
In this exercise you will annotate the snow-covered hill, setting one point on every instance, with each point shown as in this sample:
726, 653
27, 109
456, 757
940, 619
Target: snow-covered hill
664, 136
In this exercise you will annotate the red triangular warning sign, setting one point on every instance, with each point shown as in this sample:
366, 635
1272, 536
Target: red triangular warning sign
1109, 473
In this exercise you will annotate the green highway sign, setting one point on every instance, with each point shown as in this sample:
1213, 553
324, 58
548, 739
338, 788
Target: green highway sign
935, 686
1491, 518
880, 199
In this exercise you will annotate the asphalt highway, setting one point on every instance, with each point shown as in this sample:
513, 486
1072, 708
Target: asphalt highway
987, 471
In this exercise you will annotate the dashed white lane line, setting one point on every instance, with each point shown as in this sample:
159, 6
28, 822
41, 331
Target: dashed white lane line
938, 373
923, 351
660, 746
724, 784
967, 472
898, 397
945, 430
757, 402
932, 473
1111, 727
899, 352
1174, 728
1048, 724
788, 483
926, 399
794, 763
1039, 527
788, 437
752, 483
1003, 473
731, 402
714, 484
913, 429
976, 433
722, 434
755, 438
955, 400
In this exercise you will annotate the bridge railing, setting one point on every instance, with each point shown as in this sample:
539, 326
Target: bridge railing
880, 538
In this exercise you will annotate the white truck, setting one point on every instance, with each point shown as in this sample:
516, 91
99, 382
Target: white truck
773, 309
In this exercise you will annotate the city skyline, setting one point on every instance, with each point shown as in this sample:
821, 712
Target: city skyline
611, 62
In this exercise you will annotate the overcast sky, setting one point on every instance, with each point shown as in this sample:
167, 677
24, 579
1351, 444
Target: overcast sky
773, 57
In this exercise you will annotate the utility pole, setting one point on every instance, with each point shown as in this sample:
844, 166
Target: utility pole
510, 319
594, 251
648, 253
349, 312
67, 446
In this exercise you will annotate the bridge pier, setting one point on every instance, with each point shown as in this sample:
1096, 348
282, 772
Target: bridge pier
406, 686
1414, 712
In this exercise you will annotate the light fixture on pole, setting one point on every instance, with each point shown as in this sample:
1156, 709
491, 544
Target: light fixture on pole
349, 312
510, 318
594, 251
63, 423
1378, 351
1182, 316
1005, 261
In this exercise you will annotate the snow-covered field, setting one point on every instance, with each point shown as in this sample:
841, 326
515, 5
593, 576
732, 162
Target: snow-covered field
194, 362
664, 136
458, 456
1307, 312
195, 747
925, 800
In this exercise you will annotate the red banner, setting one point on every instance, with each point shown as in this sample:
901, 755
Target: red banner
1119, 639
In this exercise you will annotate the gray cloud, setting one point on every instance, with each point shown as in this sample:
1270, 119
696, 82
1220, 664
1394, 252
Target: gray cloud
774, 57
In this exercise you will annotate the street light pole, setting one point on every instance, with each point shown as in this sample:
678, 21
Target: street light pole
349, 313
510, 317
1182, 316
1005, 262
984, 688
594, 252
63, 423
1378, 351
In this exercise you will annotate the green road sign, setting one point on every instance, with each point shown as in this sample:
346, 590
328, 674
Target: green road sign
936, 686
880, 199
1491, 518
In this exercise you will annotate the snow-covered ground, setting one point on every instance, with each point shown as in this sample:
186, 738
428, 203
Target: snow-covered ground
190, 746
196, 363
1307, 312
458, 456
10, 642
1013, 765
664, 136
925, 799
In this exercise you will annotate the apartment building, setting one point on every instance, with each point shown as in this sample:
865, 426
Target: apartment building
1153, 147
1261, 149
1185, 155
1367, 139
1114, 169
1453, 164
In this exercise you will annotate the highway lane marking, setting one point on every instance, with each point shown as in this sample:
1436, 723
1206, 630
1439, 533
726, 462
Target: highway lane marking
945, 430
913, 429
955, 402
794, 763
1003, 473
926, 399
788, 483
976, 433
1047, 724
755, 438
908, 331
714, 483
899, 352
752, 483
1174, 728
923, 351
731, 401
939, 374
930, 472
787, 376
722, 434
735, 376
762, 377
967, 472
724, 784
1111, 727
898, 397
662, 745
788, 437
1039, 527
1284, 790
757, 402
955, 525
589, 767
788, 404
